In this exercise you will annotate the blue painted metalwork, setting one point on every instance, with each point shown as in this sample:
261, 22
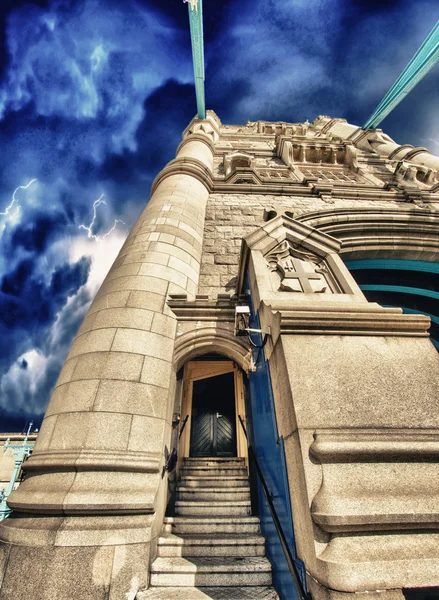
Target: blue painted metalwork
270, 452
421, 267
412, 311
195, 8
401, 289
421, 63
397, 264
21, 451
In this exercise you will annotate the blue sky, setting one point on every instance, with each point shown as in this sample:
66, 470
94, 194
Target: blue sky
94, 96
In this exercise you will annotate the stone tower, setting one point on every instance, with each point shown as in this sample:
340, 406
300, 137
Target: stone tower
264, 215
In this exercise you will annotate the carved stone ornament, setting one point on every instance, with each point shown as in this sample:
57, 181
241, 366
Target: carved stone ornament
203, 128
294, 270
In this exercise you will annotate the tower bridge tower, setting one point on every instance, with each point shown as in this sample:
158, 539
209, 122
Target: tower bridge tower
329, 234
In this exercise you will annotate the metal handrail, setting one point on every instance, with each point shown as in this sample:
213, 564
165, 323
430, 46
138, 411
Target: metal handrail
182, 428
302, 594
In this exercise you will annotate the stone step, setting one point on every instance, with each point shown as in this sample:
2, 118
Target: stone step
214, 494
211, 571
215, 525
211, 545
214, 461
214, 472
210, 508
209, 593
223, 481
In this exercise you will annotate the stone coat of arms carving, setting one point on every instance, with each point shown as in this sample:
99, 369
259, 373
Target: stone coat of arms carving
294, 270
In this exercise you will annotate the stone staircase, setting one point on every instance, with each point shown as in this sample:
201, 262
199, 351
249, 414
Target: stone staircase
213, 548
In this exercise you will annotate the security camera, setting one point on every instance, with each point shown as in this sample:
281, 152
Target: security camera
242, 315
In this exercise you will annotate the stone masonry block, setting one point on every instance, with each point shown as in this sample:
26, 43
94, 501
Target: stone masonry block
67, 371
95, 430
172, 250
108, 365
132, 398
183, 268
92, 341
126, 269
147, 256
145, 433
77, 395
164, 273
190, 248
134, 283
165, 325
167, 238
142, 342
45, 433
156, 372
135, 318
225, 259
146, 300
114, 299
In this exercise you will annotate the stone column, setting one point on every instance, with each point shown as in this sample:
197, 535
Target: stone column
92, 505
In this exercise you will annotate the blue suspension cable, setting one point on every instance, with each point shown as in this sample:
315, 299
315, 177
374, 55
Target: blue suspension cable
421, 63
195, 8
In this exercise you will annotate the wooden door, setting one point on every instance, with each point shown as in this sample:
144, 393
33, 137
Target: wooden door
213, 431
195, 371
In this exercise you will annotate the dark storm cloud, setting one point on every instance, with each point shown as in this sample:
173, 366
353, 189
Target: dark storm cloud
35, 235
26, 300
76, 79
299, 59
94, 96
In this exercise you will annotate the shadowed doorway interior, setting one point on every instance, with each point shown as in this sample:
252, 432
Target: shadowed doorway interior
211, 403
213, 427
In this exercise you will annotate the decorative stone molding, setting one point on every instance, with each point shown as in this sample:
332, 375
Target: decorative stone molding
410, 233
237, 159
288, 257
100, 460
208, 127
415, 175
361, 319
294, 270
207, 326
189, 166
396, 498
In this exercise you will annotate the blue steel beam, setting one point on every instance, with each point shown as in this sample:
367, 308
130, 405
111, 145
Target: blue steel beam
395, 264
400, 289
195, 8
421, 63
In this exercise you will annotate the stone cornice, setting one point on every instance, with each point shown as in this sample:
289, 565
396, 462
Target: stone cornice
199, 138
390, 502
196, 169
202, 310
345, 319
371, 445
93, 460
185, 166
409, 232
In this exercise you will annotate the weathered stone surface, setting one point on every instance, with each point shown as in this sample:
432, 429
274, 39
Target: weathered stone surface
355, 385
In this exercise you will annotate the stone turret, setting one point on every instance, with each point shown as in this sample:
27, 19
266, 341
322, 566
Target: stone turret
265, 215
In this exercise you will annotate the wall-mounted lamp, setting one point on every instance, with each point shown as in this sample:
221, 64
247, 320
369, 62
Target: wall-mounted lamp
242, 319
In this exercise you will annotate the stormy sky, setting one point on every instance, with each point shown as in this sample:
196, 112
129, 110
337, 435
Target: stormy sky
94, 95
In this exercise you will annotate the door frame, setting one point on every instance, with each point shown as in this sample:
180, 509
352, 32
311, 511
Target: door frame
196, 370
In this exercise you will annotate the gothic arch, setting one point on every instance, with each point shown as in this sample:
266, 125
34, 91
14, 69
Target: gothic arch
207, 340
410, 234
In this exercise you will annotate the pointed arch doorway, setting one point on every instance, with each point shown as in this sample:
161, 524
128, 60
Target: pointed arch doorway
213, 397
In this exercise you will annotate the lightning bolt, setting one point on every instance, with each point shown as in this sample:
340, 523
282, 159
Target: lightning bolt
14, 198
89, 228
